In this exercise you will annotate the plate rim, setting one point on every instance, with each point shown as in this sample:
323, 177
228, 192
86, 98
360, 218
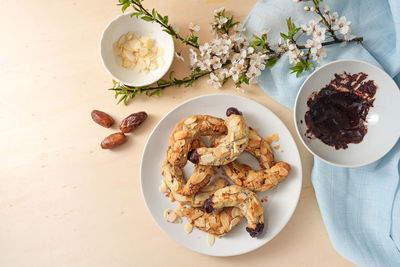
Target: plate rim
290, 211
295, 112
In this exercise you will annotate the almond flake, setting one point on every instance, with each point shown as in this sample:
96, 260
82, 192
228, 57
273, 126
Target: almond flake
210, 240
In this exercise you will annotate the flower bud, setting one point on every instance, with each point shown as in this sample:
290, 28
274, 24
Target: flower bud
307, 8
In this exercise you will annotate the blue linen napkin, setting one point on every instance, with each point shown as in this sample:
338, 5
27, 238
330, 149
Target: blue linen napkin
360, 206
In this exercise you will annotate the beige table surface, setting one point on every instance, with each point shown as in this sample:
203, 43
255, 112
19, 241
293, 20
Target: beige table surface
66, 202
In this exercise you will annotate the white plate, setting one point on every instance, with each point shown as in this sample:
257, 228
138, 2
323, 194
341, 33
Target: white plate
122, 25
281, 201
383, 118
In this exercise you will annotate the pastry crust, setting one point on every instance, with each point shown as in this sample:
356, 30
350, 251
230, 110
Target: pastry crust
270, 173
200, 177
186, 131
198, 199
257, 146
247, 201
230, 146
260, 180
215, 223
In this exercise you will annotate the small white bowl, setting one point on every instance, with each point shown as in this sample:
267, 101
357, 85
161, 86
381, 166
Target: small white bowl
122, 25
383, 118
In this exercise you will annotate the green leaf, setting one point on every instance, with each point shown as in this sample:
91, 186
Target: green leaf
165, 20
284, 36
162, 82
271, 62
124, 7
153, 14
224, 81
289, 24
136, 14
121, 99
295, 31
156, 92
147, 18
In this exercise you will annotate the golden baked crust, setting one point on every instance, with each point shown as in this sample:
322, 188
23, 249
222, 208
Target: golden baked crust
230, 146
198, 199
270, 173
260, 180
200, 177
186, 131
217, 223
247, 201
257, 146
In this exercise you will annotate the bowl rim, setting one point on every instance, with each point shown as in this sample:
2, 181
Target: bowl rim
295, 112
111, 74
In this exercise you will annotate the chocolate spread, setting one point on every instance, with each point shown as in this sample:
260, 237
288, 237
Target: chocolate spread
337, 113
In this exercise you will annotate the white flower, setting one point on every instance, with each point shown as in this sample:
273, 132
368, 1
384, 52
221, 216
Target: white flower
222, 73
253, 73
348, 36
307, 8
214, 80
310, 28
342, 25
222, 20
205, 49
312, 9
238, 28
234, 72
194, 27
319, 33
219, 10
294, 54
314, 45
193, 58
250, 50
281, 48
334, 17
326, 9
179, 56
216, 63
319, 55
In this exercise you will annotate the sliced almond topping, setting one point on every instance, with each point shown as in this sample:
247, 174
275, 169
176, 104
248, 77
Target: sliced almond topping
170, 215
234, 222
190, 120
180, 135
163, 187
210, 240
207, 158
242, 196
225, 220
200, 222
236, 212
188, 228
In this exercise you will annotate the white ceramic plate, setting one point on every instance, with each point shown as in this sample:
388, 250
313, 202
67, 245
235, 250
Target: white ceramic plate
383, 118
122, 25
282, 200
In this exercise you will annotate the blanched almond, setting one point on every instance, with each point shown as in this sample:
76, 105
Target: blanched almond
188, 228
210, 240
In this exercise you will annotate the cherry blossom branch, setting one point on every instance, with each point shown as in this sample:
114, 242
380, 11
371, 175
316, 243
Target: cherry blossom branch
231, 55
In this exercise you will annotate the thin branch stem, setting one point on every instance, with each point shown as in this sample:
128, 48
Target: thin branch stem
169, 27
337, 41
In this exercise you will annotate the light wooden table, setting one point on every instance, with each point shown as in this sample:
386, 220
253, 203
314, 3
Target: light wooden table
66, 202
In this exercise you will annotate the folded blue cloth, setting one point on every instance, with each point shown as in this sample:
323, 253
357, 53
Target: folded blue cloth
360, 206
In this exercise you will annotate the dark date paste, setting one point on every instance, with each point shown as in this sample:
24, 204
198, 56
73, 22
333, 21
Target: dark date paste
337, 113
